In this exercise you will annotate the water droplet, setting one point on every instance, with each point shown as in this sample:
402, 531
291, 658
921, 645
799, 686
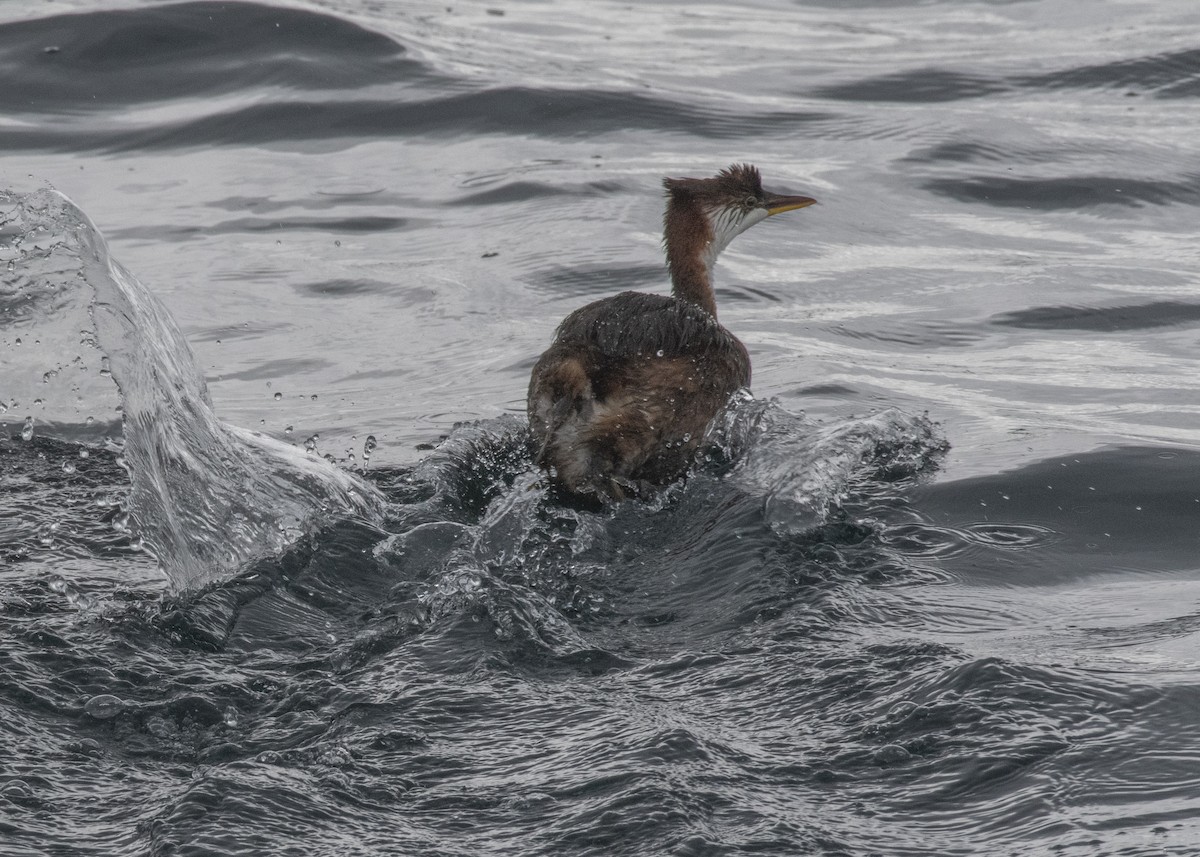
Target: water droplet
313, 397
90, 421
104, 707
121, 522
369, 447
39, 403
27, 429
287, 430
83, 453
310, 445
68, 467
104, 370
278, 396
18, 340
658, 353
46, 376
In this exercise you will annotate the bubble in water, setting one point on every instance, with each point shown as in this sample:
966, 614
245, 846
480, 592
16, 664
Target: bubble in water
46, 535
90, 421
17, 791
369, 447
68, 467
902, 710
103, 707
891, 754
278, 396
83, 453
337, 755
27, 429
658, 353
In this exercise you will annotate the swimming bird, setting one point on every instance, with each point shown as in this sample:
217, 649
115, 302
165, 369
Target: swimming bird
621, 400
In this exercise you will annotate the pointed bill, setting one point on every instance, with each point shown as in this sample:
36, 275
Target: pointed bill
777, 204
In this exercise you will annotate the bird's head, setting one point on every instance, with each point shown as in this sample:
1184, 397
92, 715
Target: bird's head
709, 213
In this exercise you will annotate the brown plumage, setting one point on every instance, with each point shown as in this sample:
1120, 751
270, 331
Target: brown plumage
620, 401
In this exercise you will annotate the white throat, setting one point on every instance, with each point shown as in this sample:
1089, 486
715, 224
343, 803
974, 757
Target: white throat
727, 224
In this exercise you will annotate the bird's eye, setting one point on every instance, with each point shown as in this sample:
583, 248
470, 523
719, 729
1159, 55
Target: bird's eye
750, 201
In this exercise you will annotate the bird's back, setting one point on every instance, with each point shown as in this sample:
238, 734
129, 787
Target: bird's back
622, 398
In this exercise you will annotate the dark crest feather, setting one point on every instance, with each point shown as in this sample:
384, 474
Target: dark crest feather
734, 182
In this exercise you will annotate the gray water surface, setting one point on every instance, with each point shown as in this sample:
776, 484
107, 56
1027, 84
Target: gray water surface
367, 219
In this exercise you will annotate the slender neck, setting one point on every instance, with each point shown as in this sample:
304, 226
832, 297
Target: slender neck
688, 238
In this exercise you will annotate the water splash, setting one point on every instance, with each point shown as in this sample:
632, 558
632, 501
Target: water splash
803, 470
207, 497
476, 531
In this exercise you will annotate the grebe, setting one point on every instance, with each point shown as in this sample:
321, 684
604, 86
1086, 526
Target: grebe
622, 398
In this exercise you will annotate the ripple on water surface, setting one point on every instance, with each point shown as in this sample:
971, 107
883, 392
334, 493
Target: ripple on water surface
184, 50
